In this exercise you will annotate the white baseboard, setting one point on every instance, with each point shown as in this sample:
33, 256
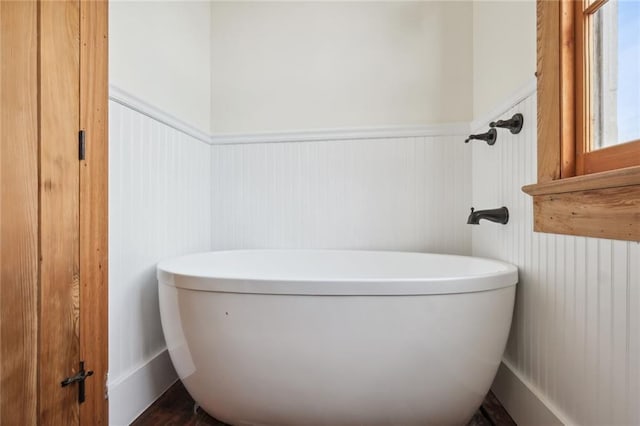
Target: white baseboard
131, 395
526, 405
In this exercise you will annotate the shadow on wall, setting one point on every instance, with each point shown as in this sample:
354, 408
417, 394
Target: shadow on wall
149, 313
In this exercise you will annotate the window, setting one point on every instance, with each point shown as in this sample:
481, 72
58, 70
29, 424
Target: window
607, 82
588, 119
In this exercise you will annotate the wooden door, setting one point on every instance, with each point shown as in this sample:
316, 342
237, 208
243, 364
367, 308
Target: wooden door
53, 210
94, 172
59, 350
19, 243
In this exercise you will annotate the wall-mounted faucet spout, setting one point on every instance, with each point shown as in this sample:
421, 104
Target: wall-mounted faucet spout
489, 137
500, 215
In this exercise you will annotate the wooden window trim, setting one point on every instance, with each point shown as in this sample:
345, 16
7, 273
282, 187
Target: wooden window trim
603, 203
587, 161
610, 158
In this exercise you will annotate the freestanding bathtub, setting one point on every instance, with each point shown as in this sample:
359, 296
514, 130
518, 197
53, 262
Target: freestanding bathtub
324, 337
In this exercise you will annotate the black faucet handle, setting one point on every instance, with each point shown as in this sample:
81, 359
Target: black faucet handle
489, 137
514, 124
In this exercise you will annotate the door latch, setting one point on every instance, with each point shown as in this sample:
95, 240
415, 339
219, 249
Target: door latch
78, 378
82, 145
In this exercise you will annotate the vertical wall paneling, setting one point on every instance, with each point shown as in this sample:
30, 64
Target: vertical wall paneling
159, 207
395, 193
575, 335
575, 338
576, 327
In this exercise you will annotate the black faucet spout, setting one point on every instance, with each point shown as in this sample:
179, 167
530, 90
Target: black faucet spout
500, 215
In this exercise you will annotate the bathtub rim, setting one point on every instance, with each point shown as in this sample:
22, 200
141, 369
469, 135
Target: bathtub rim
168, 274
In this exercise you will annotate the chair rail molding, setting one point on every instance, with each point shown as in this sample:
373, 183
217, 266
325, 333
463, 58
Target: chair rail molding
517, 96
133, 102
129, 100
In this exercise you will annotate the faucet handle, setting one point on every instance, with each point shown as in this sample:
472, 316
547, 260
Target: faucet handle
489, 137
514, 124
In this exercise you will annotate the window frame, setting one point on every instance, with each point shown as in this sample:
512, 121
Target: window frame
600, 160
575, 194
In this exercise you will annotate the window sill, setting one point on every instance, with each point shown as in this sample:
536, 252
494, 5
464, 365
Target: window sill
601, 205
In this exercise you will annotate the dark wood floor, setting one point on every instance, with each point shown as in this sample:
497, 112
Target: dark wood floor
175, 408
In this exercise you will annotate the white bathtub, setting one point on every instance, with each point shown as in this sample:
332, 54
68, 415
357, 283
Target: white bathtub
322, 337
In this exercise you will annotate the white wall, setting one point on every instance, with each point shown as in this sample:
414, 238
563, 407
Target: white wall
504, 50
159, 203
574, 351
159, 207
306, 65
408, 193
159, 51
575, 337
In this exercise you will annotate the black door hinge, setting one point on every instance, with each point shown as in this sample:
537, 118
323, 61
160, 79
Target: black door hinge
81, 145
78, 378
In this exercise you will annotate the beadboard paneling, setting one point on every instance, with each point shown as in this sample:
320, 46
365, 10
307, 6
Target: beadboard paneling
575, 335
396, 194
159, 207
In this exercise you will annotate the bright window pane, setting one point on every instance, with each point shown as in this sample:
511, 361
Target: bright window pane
615, 73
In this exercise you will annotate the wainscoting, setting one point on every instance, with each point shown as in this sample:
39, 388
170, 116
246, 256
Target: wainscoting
175, 190
159, 207
409, 193
575, 338
574, 350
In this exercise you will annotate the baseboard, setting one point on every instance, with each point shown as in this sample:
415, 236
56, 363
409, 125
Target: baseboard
131, 395
526, 405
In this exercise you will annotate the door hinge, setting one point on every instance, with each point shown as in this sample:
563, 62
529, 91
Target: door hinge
82, 147
106, 385
78, 378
